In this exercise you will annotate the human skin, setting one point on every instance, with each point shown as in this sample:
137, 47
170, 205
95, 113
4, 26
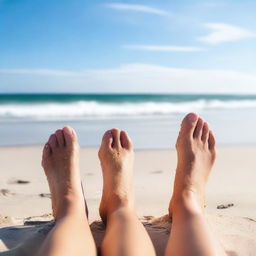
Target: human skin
191, 234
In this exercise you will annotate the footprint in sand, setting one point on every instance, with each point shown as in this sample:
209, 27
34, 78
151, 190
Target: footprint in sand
157, 172
18, 181
224, 206
6, 192
46, 195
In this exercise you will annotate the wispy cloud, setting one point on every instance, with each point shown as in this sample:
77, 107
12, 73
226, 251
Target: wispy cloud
44, 72
137, 8
163, 48
134, 78
224, 33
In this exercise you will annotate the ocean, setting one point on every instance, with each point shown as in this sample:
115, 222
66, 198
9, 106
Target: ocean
151, 120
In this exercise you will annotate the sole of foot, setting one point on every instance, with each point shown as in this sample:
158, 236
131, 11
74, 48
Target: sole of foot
60, 162
116, 157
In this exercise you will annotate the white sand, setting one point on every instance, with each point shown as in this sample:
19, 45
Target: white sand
232, 181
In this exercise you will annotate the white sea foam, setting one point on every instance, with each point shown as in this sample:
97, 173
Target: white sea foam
81, 110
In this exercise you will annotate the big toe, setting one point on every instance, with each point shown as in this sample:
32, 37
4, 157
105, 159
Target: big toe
125, 140
189, 123
69, 136
107, 139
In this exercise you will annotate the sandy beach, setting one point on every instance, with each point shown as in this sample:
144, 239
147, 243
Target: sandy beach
230, 207
140, 67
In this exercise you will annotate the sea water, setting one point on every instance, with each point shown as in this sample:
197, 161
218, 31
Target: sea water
152, 121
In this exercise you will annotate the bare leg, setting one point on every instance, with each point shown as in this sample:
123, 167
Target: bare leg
125, 235
71, 234
191, 234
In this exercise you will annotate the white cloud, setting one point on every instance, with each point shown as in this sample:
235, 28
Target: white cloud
163, 48
132, 78
137, 8
224, 33
47, 72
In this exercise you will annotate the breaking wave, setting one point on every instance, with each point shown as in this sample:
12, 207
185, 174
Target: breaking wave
82, 110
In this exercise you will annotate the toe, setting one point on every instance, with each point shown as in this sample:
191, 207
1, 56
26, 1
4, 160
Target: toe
60, 137
116, 138
107, 139
189, 123
205, 133
46, 150
199, 128
52, 142
125, 140
46, 153
211, 141
69, 135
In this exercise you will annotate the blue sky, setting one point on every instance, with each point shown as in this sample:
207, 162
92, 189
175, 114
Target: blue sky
128, 46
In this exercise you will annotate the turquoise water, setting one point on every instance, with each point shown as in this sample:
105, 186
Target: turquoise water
151, 120
34, 98
71, 107
23, 98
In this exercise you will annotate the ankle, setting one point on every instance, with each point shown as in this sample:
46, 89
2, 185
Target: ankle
77, 212
116, 203
187, 202
70, 205
123, 213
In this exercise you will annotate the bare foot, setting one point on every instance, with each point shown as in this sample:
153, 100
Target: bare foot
116, 157
196, 155
61, 165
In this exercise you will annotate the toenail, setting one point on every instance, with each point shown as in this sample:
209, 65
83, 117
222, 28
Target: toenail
108, 133
192, 117
68, 130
